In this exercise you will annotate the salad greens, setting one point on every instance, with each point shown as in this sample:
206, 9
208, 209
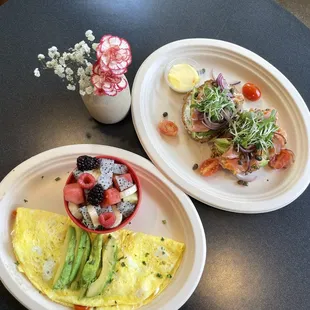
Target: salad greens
253, 128
222, 145
213, 102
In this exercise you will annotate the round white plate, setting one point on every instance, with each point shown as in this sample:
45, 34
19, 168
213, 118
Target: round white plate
161, 201
175, 157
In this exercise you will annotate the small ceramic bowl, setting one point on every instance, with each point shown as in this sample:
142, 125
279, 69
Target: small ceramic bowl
183, 60
71, 179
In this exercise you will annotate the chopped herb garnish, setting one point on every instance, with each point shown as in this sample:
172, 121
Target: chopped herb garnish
144, 263
115, 302
252, 129
259, 158
164, 222
158, 275
147, 254
213, 102
88, 135
165, 114
25, 200
162, 239
244, 183
57, 179
16, 263
129, 223
169, 276
121, 258
123, 264
109, 236
163, 253
163, 263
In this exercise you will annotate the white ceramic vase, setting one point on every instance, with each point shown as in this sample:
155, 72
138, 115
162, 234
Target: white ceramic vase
109, 109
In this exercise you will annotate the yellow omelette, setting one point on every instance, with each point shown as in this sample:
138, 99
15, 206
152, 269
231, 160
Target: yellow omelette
145, 264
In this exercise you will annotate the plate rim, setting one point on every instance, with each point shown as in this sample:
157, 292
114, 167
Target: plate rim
159, 161
190, 210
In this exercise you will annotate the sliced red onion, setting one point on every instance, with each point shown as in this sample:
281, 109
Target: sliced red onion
247, 150
280, 134
227, 115
248, 162
221, 82
246, 177
234, 83
212, 125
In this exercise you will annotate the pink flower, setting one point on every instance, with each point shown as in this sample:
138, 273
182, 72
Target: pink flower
105, 82
114, 54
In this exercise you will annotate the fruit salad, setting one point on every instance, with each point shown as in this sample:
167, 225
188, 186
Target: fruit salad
102, 193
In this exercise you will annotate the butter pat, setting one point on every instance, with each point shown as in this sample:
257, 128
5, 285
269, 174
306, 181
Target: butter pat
183, 77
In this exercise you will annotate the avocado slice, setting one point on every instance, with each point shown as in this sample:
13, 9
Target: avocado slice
76, 283
133, 198
63, 272
92, 265
81, 238
109, 259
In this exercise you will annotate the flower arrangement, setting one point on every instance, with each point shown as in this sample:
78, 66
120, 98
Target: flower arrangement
97, 69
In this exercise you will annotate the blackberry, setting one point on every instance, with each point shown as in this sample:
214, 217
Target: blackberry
87, 163
95, 195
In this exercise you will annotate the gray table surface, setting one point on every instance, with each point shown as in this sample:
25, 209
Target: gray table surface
254, 261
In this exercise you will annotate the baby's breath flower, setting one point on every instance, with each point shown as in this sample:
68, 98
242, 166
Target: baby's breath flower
88, 33
86, 48
41, 57
69, 71
71, 87
61, 61
88, 69
82, 93
69, 78
80, 71
51, 64
91, 38
52, 51
59, 69
89, 90
36, 72
94, 46
66, 56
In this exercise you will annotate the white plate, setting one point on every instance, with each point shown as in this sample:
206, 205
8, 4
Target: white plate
161, 200
175, 157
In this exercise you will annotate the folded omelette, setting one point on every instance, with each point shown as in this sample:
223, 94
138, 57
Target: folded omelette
142, 266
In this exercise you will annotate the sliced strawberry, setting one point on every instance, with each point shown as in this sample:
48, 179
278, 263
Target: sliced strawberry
107, 219
86, 181
74, 193
111, 197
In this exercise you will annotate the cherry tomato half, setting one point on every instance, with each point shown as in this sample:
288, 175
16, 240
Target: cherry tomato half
77, 307
209, 167
251, 92
282, 160
168, 128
